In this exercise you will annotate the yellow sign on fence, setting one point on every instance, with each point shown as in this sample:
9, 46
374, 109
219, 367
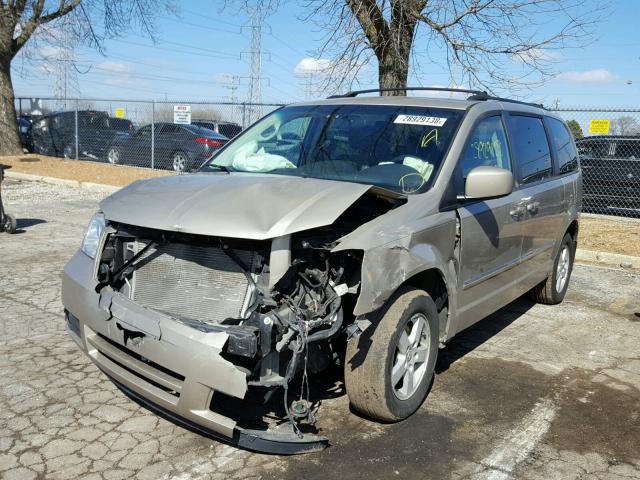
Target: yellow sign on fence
599, 127
120, 113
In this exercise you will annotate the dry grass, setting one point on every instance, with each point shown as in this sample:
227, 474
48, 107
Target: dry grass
610, 234
83, 171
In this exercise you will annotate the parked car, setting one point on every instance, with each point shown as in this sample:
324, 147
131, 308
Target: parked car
121, 124
55, 134
361, 233
24, 129
611, 170
228, 129
177, 147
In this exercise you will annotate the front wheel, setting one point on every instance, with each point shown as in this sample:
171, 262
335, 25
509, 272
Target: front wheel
552, 290
389, 367
113, 155
69, 152
179, 162
10, 224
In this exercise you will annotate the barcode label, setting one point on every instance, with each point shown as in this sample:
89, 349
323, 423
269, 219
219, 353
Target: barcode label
420, 120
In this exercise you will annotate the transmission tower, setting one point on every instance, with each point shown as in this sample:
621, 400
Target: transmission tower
232, 85
66, 84
256, 54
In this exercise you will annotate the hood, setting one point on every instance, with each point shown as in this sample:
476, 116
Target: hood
252, 206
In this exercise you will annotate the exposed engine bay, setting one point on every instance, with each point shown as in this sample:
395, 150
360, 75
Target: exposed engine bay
286, 304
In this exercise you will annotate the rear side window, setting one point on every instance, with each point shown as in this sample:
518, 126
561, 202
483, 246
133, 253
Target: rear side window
561, 138
169, 128
530, 148
628, 150
229, 130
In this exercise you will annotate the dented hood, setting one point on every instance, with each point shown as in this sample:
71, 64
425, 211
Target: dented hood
253, 206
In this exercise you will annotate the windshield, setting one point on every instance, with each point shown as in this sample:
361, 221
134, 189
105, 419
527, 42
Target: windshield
395, 147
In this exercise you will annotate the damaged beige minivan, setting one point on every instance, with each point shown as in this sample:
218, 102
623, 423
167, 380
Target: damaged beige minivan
358, 232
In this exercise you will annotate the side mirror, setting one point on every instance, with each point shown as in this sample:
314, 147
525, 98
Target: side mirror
488, 182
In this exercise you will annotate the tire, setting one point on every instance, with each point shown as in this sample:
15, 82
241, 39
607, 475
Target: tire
552, 290
113, 155
10, 224
179, 161
371, 358
68, 152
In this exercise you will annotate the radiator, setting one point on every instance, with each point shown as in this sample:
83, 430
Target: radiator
192, 282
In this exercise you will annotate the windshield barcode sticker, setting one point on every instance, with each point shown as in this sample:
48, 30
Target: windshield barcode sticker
420, 120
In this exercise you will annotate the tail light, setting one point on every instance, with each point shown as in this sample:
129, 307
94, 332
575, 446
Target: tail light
209, 142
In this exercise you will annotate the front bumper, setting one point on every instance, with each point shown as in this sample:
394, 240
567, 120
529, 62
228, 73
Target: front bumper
169, 367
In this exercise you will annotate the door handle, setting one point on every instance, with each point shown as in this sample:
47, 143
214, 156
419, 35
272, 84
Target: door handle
517, 212
533, 207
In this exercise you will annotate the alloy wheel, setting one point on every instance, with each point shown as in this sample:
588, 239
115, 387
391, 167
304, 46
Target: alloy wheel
410, 358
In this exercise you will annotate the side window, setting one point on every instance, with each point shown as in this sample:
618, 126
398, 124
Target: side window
530, 149
487, 146
567, 156
144, 131
168, 128
628, 150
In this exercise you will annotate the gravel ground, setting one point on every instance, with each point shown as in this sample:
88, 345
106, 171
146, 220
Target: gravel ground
532, 392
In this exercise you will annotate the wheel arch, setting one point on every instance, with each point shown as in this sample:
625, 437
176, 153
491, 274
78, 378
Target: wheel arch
573, 230
432, 281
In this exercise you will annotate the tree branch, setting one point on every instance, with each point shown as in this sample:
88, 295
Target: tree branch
37, 18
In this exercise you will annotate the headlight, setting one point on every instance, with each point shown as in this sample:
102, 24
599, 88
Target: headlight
92, 237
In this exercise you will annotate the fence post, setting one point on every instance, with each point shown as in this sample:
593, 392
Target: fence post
76, 130
153, 133
20, 105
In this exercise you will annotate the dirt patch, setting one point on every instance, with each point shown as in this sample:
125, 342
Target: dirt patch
612, 235
83, 171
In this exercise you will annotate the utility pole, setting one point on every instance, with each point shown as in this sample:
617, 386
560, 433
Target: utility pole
232, 85
255, 78
308, 87
66, 83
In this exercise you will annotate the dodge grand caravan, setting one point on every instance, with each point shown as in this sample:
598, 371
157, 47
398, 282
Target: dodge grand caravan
358, 231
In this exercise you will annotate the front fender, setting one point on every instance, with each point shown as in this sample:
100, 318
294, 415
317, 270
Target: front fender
386, 267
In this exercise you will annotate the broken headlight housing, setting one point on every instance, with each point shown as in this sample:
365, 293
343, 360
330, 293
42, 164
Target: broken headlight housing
92, 237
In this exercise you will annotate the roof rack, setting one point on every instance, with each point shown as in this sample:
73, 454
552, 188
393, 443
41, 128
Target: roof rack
474, 94
355, 93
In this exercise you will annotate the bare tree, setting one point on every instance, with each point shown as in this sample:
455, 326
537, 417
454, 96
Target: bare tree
625, 125
81, 21
488, 43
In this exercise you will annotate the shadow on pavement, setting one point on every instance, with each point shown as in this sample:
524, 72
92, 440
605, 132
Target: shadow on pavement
471, 338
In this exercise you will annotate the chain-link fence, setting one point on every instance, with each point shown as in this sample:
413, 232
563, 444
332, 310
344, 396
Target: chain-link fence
182, 135
178, 136
608, 142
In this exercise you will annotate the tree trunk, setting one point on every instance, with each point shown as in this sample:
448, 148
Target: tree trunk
393, 72
9, 139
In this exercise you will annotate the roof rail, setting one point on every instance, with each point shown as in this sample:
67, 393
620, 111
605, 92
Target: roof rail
501, 99
474, 94
355, 93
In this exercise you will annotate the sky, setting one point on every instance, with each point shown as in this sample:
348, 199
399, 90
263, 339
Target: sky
202, 53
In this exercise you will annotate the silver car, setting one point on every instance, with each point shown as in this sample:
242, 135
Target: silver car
359, 232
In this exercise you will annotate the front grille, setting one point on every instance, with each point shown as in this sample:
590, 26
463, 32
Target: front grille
192, 282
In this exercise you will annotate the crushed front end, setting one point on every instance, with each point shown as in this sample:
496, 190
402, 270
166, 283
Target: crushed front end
198, 327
